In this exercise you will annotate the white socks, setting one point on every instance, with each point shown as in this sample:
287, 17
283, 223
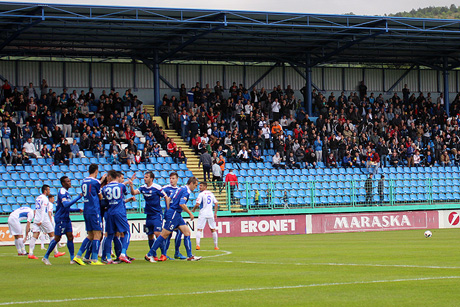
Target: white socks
198, 237
22, 245
214, 238
18, 245
32, 245
42, 238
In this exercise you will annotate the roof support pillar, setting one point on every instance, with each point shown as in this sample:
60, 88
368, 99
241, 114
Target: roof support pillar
445, 74
308, 84
156, 83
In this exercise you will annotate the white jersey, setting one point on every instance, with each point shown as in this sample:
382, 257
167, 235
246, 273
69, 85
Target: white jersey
23, 213
41, 209
207, 201
51, 209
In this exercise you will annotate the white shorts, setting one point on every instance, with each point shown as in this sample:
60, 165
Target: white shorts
15, 227
201, 223
45, 227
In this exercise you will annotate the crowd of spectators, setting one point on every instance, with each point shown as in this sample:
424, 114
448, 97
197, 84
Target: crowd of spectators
355, 129
37, 122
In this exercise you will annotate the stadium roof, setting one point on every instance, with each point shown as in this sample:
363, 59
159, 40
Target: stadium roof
220, 35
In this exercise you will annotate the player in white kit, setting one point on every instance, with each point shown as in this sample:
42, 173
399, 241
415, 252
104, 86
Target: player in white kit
43, 236
42, 220
14, 223
207, 203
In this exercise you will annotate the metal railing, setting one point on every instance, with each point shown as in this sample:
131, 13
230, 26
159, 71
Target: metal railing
343, 193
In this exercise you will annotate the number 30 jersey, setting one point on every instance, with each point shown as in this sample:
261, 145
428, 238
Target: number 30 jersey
90, 188
114, 193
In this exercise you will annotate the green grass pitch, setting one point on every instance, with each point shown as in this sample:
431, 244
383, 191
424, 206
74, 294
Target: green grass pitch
399, 268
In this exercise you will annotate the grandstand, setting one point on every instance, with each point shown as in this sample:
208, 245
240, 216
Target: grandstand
408, 121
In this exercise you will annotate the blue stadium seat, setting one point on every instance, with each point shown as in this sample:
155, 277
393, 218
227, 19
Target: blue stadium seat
11, 200
21, 200
7, 209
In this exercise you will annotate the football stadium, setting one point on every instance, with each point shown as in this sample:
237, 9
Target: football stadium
219, 157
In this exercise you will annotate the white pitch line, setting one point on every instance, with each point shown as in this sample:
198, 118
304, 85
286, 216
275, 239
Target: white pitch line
229, 290
225, 253
342, 264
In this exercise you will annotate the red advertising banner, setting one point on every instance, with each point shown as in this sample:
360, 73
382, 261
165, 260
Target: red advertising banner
259, 226
379, 221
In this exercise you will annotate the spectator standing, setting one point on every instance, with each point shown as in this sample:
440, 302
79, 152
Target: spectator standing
318, 147
231, 180
369, 189
6, 136
206, 160
217, 176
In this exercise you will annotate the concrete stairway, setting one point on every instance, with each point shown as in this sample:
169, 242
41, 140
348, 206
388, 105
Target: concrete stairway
192, 163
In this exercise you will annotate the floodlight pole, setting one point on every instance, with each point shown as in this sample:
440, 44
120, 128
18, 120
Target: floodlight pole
156, 84
308, 83
445, 73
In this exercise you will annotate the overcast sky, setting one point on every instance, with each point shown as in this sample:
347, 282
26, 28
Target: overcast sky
358, 7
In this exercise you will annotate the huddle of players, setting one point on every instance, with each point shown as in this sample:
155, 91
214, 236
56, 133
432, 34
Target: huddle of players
105, 199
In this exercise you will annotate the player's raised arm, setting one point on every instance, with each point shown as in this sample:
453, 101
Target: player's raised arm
67, 203
131, 186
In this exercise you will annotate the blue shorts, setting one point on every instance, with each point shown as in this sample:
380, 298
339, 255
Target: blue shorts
62, 227
154, 223
116, 223
173, 219
93, 222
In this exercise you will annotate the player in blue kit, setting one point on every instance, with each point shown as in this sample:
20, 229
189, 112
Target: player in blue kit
152, 193
170, 190
62, 220
91, 189
117, 221
173, 219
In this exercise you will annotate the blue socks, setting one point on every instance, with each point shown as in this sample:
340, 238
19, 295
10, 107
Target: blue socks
84, 246
177, 242
151, 243
125, 243
107, 247
117, 246
159, 243
50, 248
95, 249
71, 248
188, 246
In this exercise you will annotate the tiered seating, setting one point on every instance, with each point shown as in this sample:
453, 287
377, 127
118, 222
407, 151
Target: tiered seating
19, 185
342, 187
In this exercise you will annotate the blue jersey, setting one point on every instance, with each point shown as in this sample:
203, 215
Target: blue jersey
152, 196
90, 189
180, 198
114, 193
63, 205
170, 190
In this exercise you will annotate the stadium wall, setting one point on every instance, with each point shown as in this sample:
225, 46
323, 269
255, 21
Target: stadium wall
121, 76
243, 226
